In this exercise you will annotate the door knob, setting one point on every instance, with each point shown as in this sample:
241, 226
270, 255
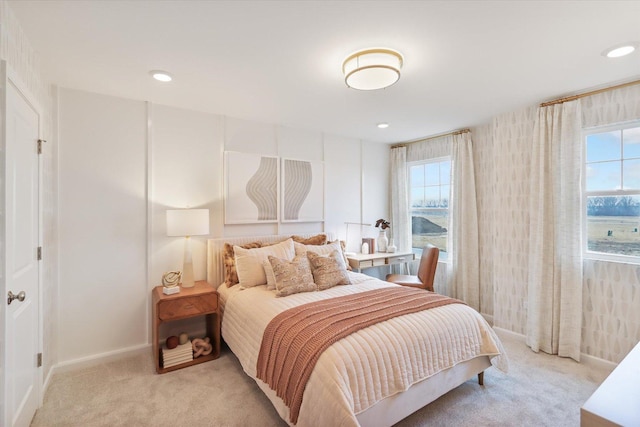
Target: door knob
20, 297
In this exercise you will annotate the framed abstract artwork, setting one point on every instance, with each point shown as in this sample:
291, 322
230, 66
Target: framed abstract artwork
251, 188
302, 191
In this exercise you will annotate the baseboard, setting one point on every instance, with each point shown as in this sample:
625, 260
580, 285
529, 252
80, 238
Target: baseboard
47, 381
586, 359
597, 363
510, 334
97, 359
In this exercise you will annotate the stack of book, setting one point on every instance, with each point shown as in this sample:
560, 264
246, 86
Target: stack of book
175, 356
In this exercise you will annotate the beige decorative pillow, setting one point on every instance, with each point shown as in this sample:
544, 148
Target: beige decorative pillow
328, 271
292, 277
249, 261
322, 250
230, 272
318, 239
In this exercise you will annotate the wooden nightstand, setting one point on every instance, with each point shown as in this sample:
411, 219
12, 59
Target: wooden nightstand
200, 300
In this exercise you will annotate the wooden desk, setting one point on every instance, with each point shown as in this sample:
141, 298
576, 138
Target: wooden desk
616, 401
361, 261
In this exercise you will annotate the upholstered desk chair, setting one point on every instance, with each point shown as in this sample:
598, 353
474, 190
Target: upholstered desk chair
426, 271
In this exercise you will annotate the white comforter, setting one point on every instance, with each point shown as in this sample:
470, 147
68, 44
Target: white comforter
367, 366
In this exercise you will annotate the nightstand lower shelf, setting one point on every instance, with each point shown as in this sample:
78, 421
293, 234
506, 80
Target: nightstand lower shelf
197, 361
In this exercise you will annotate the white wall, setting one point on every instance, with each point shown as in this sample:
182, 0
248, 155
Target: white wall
186, 160
375, 184
108, 159
102, 225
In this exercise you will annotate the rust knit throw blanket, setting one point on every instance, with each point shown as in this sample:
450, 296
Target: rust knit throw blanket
294, 339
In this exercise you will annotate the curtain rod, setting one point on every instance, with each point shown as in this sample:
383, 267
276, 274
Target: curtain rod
593, 92
455, 132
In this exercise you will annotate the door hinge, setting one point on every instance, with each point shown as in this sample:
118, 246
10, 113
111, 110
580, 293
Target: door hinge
39, 253
40, 141
39, 360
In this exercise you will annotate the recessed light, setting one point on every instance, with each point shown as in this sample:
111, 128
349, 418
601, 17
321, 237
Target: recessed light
383, 125
161, 76
620, 50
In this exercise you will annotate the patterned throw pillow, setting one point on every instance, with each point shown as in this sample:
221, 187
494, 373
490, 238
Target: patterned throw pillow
328, 271
318, 239
230, 272
324, 250
292, 277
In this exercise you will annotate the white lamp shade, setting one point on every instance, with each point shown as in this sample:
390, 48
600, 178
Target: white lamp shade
187, 222
372, 69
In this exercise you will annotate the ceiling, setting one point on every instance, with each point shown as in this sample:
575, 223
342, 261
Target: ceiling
280, 61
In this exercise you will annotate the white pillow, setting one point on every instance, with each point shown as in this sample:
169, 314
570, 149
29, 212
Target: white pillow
271, 276
249, 261
324, 250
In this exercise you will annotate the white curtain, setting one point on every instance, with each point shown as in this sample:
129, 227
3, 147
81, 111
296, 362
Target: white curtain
463, 262
614, 106
554, 320
432, 148
400, 216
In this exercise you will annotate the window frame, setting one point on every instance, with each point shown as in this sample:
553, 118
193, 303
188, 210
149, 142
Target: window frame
443, 253
586, 253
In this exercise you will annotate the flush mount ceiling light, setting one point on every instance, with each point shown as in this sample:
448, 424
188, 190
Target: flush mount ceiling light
383, 125
620, 50
372, 69
161, 76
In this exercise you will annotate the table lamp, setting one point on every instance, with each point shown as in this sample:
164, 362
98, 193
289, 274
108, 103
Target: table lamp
187, 223
346, 240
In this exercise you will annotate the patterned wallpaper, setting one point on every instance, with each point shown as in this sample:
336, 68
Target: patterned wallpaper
611, 318
509, 184
501, 149
611, 309
611, 297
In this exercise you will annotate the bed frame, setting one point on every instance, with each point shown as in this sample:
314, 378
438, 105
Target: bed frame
394, 408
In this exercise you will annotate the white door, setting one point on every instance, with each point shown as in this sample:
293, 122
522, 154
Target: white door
22, 390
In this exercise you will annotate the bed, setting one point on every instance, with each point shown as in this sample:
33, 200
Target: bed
375, 376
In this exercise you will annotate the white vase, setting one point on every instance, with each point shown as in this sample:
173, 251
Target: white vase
391, 248
383, 241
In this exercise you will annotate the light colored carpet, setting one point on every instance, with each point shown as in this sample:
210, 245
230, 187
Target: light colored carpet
539, 390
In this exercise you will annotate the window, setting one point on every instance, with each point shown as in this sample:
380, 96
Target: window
429, 184
612, 193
